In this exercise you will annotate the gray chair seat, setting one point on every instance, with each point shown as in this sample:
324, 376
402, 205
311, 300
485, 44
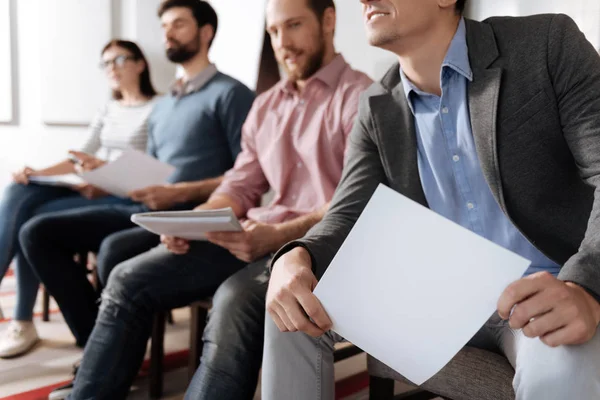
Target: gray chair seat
474, 374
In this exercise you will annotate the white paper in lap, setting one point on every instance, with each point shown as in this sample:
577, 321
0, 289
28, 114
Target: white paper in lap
67, 180
190, 225
133, 170
411, 287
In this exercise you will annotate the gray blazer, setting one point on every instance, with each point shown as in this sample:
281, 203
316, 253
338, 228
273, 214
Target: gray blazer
535, 113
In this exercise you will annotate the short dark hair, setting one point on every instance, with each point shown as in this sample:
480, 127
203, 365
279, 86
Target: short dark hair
203, 12
319, 6
137, 54
460, 6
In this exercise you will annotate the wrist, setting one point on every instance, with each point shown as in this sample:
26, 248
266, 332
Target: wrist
300, 256
591, 301
181, 194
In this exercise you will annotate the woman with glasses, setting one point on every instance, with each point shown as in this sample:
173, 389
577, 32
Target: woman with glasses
121, 124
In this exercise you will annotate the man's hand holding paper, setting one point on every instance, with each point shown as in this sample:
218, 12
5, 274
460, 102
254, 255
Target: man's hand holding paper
254, 242
158, 197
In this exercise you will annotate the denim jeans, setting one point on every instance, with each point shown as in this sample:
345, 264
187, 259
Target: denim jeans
233, 338
49, 242
138, 288
18, 205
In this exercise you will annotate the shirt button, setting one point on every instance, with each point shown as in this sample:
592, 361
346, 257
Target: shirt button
301, 102
456, 158
299, 165
445, 110
470, 206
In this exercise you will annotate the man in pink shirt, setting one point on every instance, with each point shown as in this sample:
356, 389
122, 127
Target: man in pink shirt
293, 142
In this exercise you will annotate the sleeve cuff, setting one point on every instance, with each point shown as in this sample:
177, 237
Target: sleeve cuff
289, 247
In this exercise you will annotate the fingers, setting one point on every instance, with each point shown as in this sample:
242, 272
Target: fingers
543, 325
226, 237
279, 315
522, 289
300, 320
175, 245
567, 335
313, 308
535, 306
137, 195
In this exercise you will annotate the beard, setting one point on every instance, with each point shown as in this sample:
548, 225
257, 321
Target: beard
313, 64
181, 53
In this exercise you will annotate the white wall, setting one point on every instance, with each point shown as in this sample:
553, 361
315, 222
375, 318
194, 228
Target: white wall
6, 106
351, 41
34, 143
585, 12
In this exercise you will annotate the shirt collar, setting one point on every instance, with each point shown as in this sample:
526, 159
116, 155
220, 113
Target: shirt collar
457, 59
182, 88
330, 74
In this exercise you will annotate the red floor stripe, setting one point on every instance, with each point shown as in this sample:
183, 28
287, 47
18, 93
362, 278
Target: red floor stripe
171, 362
36, 394
351, 385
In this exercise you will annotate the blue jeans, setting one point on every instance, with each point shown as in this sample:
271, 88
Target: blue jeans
233, 338
18, 205
138, 288
50, 240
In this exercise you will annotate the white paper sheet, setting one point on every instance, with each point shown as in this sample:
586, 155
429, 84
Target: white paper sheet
411, 287
191, 225
67, 180
133, 170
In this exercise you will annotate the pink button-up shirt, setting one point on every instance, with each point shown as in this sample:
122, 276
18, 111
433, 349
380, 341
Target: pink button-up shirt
295, 144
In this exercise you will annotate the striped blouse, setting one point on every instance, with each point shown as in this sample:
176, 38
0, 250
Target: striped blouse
116, 128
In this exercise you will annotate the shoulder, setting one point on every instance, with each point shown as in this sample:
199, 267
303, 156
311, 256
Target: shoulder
530, 34
353, 83
227, 86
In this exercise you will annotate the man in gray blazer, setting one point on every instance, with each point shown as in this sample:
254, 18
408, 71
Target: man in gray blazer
496, 126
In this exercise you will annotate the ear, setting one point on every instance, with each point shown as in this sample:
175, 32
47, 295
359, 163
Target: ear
207, 33
140, 66
329, 20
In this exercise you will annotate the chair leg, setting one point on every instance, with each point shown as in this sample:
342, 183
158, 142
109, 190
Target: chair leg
45, 305
381, 388
197, 325
157, 356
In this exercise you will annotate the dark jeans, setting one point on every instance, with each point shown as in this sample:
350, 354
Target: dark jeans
49, 242
154, 281
20, 203
233, 338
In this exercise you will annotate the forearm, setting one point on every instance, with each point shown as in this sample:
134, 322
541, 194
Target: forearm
222, 201
298, 227
61, 168
199, 191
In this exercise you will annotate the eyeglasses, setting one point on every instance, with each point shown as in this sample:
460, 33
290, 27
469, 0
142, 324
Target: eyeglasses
118, 62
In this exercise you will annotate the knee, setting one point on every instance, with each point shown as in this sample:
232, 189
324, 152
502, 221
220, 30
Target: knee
34, 230
107, 258
237, 311
229, 295
13, 194
119, 285
558, 373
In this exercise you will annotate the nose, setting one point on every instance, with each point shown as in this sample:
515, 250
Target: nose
283, 40
167, 36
